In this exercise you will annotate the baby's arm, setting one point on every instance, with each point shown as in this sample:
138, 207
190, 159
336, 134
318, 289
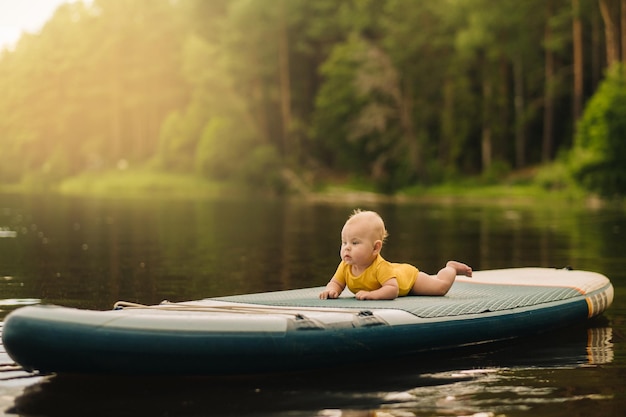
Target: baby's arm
389, 291
333, 290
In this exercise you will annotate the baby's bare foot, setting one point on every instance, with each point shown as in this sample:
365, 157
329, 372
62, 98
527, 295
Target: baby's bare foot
460, 268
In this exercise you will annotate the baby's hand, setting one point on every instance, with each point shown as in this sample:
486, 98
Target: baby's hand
362, 295
328, 294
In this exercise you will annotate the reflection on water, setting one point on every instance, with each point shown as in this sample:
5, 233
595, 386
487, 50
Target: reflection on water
92, 253
600, 345
6, 233
19, 302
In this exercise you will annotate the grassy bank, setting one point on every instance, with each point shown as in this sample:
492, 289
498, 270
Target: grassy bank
142, 183
452, 193
550, 184
520, 188
136, 183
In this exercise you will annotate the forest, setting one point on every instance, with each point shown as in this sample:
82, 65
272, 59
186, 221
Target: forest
270, 93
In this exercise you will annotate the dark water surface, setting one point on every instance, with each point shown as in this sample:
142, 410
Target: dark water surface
90, 253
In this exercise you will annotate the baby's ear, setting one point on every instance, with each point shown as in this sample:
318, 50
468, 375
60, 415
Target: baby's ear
378, 245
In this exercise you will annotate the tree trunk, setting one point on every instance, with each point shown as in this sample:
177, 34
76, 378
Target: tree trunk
577, 37
285, 82
623, 28
486, 140
258, 115
447, 146
505, 126
520, 136
115, 117
610, 33
596, 49
548, 97
414, 147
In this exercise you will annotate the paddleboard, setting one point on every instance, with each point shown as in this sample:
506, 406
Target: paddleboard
294, 330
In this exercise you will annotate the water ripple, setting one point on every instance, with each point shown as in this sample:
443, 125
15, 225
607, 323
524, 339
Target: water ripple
19, 301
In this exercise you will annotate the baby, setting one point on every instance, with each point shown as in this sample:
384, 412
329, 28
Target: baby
371, 277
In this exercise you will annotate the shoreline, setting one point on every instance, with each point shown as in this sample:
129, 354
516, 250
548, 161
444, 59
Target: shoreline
146, 183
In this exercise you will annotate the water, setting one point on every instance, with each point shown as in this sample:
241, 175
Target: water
90, 253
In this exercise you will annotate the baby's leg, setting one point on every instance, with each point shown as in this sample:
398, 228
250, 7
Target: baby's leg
440, 284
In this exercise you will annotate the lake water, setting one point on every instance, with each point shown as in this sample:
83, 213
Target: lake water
89, 253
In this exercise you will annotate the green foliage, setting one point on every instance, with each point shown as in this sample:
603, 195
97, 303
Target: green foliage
221, 152
599, 155
336, 104
496, 172
361, 116
262, 169
92, 88
555, 176
174, 143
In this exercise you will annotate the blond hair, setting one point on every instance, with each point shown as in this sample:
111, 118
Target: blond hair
375, 221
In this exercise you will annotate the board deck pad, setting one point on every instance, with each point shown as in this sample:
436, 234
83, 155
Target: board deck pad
463, 298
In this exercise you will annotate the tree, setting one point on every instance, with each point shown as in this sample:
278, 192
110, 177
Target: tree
599, 154
577, 37
95, 85
423, 62
611, 31
555, 41
337, 103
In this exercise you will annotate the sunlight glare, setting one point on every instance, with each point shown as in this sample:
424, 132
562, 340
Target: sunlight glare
19, 16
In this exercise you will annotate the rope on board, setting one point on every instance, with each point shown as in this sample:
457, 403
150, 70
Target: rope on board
230, 308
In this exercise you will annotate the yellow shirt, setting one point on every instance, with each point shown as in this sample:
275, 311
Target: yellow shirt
379, 272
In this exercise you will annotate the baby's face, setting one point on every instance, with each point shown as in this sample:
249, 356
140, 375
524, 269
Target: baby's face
358, 245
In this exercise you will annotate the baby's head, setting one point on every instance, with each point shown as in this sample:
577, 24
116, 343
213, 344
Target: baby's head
371, 221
